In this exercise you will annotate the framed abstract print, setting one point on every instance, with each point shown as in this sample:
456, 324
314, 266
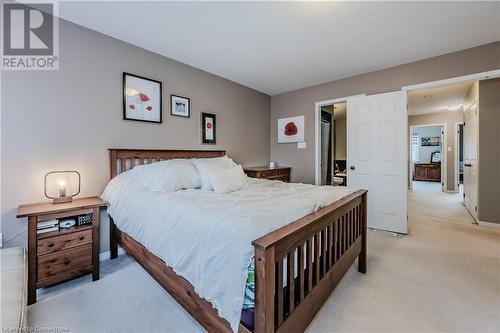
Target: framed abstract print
141, 99
208, 128
180, 106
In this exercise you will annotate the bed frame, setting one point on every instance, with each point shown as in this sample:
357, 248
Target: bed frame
325, 243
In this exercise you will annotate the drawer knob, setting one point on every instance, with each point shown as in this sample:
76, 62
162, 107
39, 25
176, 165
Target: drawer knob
50, 244
67, 261
82, 237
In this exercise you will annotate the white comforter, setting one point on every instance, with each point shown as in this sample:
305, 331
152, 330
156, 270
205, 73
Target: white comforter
206, 237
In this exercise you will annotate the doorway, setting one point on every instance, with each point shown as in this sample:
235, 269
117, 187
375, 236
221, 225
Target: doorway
459, 158
427, 157
333, 144
376, 129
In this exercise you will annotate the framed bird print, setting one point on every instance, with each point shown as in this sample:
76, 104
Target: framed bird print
141, 99
208, 128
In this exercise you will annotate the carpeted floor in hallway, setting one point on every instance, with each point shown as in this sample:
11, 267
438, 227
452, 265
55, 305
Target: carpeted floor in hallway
444, 276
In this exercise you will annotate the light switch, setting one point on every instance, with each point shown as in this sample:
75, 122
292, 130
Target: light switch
301, 145
449, 148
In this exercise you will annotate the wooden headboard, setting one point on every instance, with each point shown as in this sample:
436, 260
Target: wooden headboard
121, 160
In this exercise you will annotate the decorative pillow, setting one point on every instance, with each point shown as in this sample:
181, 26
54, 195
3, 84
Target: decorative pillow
228, 179
205, 165
168, 175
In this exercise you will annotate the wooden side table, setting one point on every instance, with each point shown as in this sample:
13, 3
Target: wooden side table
63, 254
265, 172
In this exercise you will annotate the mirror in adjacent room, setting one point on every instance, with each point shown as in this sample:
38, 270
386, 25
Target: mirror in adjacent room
333, 145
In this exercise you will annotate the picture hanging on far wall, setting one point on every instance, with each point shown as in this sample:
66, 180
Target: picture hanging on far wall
430, 141
180, 106
208, 128
141, 99
291, 129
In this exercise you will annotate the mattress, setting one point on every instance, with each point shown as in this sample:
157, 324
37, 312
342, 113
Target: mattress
206, 237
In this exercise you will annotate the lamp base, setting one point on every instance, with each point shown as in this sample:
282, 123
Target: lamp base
62, 200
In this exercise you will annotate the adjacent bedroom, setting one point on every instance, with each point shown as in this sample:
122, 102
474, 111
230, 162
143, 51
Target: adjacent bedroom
249, 166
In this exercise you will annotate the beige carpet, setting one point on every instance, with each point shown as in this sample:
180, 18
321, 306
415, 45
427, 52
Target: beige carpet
444, 276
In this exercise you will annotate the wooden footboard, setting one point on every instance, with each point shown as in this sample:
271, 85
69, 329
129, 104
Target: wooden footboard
311, 254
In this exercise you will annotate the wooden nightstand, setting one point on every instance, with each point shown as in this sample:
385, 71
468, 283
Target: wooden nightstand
61, 255
276, 173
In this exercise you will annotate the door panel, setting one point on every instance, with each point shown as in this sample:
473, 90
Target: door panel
471, 133
377, 157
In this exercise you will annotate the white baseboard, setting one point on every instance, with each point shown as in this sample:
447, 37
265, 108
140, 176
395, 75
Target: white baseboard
488, 224
106, 255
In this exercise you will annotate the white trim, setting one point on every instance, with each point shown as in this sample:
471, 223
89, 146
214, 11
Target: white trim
454, 80
444, 155
488, 224
106, 255
317, 132
457, 142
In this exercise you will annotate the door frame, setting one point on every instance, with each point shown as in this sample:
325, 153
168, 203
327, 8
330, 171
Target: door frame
456, 156
317, 132
446, 82
453, 80
444, 157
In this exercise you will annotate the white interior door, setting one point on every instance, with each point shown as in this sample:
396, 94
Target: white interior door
377, 130
471, 133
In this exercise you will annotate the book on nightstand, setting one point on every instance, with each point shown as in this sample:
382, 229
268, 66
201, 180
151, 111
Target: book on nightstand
47, 226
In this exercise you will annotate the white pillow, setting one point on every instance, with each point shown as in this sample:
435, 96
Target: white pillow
227, 180
168, 175
205, 165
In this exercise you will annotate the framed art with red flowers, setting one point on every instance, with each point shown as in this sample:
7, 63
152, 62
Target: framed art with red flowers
208, 128
141, 99
291, 129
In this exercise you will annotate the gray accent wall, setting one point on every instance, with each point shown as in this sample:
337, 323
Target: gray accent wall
489, 151
67, 119
301, 102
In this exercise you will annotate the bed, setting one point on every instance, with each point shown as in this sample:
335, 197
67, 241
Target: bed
297, 265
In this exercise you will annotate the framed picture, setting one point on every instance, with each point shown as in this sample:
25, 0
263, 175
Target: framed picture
430, 141
291, 129
141, 99
180, 106
208, 128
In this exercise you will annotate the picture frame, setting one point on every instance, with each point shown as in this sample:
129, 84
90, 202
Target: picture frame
180, 106
430, 141
142, 99
208, 128
291, 129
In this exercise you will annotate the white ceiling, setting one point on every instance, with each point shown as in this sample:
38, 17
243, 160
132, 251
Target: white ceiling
275, 47
442, 99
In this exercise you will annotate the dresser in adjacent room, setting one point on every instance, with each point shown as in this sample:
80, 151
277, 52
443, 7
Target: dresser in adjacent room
428, 172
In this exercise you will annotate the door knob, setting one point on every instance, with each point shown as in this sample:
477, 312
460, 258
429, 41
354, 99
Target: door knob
353, 167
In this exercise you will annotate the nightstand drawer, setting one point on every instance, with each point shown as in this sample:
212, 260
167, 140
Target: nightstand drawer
274, 173
58, 243
55, 263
